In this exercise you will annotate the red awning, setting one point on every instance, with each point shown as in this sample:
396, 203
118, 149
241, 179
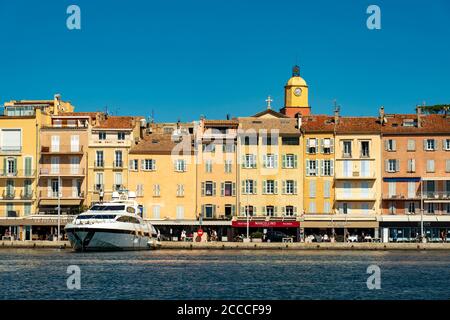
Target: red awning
266, 224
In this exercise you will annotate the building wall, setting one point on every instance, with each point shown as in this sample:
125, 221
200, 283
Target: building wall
314, 186
143, 183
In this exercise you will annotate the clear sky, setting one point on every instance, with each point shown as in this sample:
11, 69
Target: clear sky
185, 58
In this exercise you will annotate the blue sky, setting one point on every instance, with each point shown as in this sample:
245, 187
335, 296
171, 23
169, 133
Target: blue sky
186, 58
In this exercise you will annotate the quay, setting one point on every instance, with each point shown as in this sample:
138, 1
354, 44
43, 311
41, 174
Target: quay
181, 245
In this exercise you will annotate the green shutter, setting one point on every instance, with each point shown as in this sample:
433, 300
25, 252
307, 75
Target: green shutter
28, 166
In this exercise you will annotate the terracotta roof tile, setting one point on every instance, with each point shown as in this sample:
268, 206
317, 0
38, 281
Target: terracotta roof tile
358, 125
117, 122
317, 123
430, 123
284, 125
156, 143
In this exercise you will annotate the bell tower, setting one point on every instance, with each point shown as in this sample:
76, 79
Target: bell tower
296, 95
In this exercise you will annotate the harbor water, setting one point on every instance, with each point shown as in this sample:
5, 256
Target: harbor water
231, 274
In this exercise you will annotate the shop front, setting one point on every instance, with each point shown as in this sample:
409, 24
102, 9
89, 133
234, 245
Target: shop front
267, 231
185, 230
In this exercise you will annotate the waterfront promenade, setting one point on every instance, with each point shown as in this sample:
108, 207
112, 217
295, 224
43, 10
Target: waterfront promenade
168, 245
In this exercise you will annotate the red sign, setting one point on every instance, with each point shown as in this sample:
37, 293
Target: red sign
199, 232
266, 224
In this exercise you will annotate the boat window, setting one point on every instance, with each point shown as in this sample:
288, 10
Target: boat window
92, 216
131, 210
128, 219
107, 208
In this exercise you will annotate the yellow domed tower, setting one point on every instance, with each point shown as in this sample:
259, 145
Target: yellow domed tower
296, 95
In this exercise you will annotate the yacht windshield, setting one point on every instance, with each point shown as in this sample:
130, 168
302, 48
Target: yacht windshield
107, 208
98, 216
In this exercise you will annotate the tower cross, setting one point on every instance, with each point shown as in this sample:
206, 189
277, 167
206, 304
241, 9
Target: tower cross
269, 100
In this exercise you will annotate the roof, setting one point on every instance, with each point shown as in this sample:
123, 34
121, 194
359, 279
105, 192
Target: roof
270, 112
355, 125
317, 123
296, 81
430, 123
284, 125
156, 143
221, 123
116, 122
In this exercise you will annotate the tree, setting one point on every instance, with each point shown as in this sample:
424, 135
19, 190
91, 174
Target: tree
436, 109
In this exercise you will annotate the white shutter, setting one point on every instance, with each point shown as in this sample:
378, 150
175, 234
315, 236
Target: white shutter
74, 143
55, 144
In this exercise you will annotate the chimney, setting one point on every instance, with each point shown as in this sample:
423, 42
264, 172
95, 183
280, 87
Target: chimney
382, 118
298, 115
336, 114
419, 116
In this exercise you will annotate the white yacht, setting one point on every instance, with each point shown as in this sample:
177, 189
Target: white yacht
114, 225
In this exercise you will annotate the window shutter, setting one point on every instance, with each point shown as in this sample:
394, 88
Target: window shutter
203, 188
275, 187
322, 171
307, 146
283, 161
214, 210
263, 210
243, 186
49, 187
283, 210
413, 165
386, 165
203, 210
394, 145
295, 210
317, 168
153, 164
130, 165
295, 186
28, 166
214, 189
275, 161
307, 168
233, 210
264, 161
255, 210
184, 166
264, 186
4, 167
275, 211
233, 189
243, 161
447, 165
254, 187
222, 189
397, 165
295, 161
332, 168
143, 164
331, 145
386, 145
15, 166
321, 145
424, 144
435, 145
284, 187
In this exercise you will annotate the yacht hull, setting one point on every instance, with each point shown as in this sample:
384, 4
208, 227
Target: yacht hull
100, 239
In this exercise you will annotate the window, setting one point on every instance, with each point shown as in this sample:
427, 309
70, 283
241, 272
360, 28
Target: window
121, 136
326, 207
228, 189
229, 210
392, 189
411, 208
118, 159
118, 181
102, 136
180, 165
55, 143
430, 144
180, 190
270, 211
326, 189
270, 140
345, 208
391, 145
10, 166
228, 166
229, 147
208, 166
98, 181
446, 144
290, 187
156, 211
411, 165
249, 140
430, 165
429, 207
270, 161
27, 209
99, 159
10, 189
54, 165
311, 146
347, 148
392, 165
28, 166
289, 161
210, 147
327, 168
311, 167
290, 141
249, 186
411, 145
134, 165
28, 191
250, 161
312, 207
411, 189
208, 188
365, 208
447, 165
180, 213
140, 190
289, 211
156, 190
365, 149
327, 146
312, 189
270, 187
148, 164
11, 140
249, 211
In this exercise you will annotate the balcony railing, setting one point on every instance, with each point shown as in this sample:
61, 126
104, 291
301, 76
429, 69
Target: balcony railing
62, 149
99, 164
98, 187
357, 196
402, 196
10, 150
355, 174
118, 164
9, 194
10, 213
437, 195
61, 171
17, 174
64, 194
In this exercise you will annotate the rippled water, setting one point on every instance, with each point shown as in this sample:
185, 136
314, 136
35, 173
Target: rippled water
163, 274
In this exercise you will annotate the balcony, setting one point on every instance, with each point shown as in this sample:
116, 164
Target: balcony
18, 174
355, 196
62, 172
405, 196
10, 150
62, 149
436, 196
355, 175
66, 193
15, 196
9, 213
99, 164
8, 194
118, 164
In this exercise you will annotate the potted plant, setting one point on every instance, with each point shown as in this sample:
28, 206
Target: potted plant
256, 236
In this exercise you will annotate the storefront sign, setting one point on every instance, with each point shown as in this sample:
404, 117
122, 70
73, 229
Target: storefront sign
266, 224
